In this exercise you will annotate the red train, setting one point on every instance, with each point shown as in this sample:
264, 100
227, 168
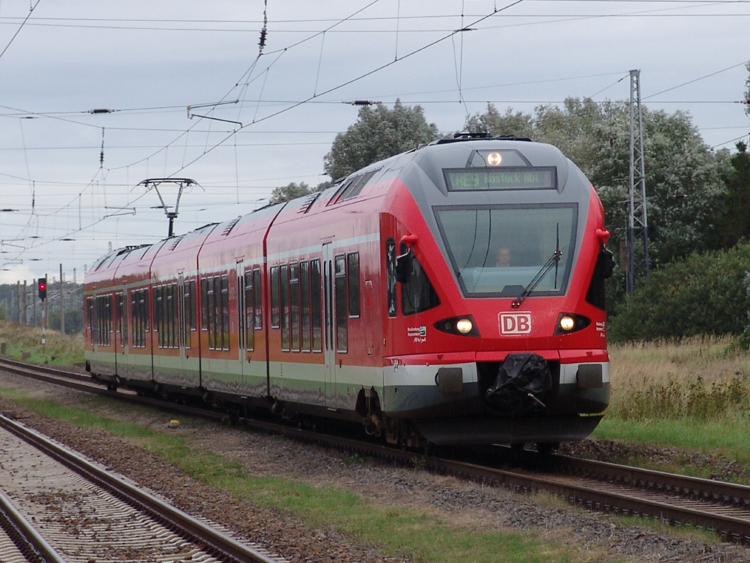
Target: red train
453, 294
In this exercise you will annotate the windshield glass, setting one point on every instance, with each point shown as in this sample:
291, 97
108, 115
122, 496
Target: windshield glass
497, 251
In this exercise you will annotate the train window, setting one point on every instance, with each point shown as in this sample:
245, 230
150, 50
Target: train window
390, 266
315, 308
122, 316
352, 274
158, 314
139, 311
341, 316
294, 300
171, 320
204, 304
258, 300
497, 251
274, 297
224, 312
304, 278
103, 320
211, 306
134, 316
417, 293
249, 311
145, 313
92, 319
188, 310
285, 307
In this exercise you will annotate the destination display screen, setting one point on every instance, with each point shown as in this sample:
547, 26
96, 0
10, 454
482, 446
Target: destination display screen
501, 178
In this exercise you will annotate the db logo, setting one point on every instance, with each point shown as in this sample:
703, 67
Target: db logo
515, 323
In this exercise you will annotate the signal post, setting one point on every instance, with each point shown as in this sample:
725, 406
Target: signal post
42, 287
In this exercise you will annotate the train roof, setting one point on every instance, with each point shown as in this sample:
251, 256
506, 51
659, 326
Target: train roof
373, 180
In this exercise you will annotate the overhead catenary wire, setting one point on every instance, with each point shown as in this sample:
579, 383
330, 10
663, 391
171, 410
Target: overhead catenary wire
261, 103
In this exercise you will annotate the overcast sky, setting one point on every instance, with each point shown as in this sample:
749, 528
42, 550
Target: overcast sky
97, 96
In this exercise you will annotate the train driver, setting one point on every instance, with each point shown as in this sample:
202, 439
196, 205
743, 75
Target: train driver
503, 257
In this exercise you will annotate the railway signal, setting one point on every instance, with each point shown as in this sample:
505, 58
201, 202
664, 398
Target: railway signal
42, 286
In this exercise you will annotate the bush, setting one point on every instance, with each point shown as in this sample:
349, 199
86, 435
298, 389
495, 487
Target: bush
704, 294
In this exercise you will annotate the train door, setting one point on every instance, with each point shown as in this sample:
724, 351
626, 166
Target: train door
329, 340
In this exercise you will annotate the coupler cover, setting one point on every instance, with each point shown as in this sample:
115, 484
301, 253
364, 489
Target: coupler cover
519, 386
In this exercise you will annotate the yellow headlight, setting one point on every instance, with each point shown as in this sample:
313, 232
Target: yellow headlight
464, 326
567, 323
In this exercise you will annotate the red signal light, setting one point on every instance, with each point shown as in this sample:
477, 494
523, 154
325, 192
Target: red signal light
42, 285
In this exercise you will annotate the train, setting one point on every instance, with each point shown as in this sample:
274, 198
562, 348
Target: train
450, 295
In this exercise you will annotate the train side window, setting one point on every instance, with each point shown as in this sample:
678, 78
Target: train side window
139, 310
341, 302
304, 278
417, 293
146, 314
294, 300
172, 315
285, 308
92, 319
134, 318
225, 312
158, 314
104, 327
352, 274
249, 310
122, 318
390, 266
188, 310
204, 304
315, 308
118, 314
211, 306
257, 289
274, 297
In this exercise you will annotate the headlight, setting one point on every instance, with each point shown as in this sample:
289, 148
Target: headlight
567, 323
460, 326
570, 322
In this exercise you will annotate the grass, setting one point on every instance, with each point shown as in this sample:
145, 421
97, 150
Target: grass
693, 395
24, 342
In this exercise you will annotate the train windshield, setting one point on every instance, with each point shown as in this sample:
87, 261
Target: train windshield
499, 251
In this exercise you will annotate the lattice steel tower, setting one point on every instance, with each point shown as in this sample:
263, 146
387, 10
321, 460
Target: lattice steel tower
637, 215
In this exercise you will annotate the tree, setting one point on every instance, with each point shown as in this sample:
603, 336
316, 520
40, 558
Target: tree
379, 133
293, 191
705, 294
289, 192
735, 220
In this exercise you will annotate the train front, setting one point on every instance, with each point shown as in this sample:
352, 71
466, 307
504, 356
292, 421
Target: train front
496, 296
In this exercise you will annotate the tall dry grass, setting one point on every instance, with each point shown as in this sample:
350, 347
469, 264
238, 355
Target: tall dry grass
699, 377
24, 342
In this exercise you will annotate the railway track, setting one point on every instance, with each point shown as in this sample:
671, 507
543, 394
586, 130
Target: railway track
720, 507
80, 512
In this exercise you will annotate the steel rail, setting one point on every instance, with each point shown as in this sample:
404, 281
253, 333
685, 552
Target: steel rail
214, 541
594, 488
25, 537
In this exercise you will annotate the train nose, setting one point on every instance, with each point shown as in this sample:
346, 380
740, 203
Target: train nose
519, 387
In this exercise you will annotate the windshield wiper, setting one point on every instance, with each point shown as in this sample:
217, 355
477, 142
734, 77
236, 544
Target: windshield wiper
553, 260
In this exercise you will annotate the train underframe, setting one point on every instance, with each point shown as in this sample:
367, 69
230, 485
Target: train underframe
457, 412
